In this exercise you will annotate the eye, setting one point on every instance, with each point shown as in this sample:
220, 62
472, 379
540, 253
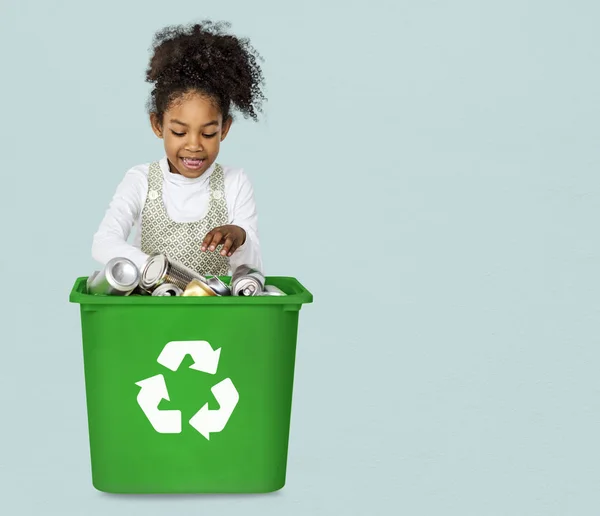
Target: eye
177, 134
210, 135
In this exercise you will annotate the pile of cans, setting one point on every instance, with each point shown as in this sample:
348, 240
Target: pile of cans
163, 277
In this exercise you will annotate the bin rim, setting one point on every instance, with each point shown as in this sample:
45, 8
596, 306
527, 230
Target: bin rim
299, 295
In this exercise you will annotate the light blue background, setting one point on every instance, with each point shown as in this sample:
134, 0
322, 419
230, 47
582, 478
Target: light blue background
427, 169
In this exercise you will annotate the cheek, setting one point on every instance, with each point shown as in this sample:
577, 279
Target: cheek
213, 145
171, 144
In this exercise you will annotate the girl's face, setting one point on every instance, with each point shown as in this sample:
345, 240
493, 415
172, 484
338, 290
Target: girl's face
192, 129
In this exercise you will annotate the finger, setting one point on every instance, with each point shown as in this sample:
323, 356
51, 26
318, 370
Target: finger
207, 239
237, 242
216, 240
227, 246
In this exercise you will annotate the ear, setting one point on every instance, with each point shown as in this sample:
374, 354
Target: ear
156, 125
226, 127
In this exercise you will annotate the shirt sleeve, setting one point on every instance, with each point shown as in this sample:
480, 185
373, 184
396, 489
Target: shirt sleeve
245, 216
110, 241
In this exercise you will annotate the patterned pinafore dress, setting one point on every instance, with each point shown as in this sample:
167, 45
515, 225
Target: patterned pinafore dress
181, 241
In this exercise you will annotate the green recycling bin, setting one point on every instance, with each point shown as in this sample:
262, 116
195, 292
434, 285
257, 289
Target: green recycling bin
189, 394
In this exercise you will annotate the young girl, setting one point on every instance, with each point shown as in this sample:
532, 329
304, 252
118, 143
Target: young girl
186, 205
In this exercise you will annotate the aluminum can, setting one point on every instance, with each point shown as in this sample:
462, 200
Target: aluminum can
91, 278
139, 291
119, 277
167, 289
198, 288
247, 281
220, 288
272, 290
159, 269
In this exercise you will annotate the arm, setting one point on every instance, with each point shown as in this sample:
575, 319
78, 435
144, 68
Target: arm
110, 240
246, 217
240, 236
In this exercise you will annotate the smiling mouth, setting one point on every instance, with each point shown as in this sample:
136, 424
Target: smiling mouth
193, 163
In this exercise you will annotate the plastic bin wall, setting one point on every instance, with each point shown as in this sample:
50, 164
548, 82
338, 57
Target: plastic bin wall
189, 394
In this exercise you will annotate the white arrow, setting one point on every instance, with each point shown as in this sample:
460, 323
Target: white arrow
152, 391
205, 359
207, 421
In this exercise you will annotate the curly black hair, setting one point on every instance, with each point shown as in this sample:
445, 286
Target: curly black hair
202, 57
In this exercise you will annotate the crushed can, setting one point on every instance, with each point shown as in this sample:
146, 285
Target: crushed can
198, 288
119, 277
247, 281
220, 288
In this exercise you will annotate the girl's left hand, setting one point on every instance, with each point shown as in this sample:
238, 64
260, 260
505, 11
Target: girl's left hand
231, 236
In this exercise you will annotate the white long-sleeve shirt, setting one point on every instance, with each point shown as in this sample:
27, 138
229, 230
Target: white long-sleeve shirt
185, 200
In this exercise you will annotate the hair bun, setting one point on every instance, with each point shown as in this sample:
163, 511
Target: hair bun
204, 57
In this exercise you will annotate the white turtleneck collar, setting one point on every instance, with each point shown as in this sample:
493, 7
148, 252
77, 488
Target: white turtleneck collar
178, 179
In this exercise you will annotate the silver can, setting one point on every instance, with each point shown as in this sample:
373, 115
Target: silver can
91, 278
247, 281
167, 289
139, 291
272, 290
159, 270
119, 277
220, 288
198, 288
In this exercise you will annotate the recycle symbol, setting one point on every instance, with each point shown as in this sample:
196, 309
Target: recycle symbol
154, 390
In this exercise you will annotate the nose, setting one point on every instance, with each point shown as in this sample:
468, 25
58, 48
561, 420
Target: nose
193, 143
